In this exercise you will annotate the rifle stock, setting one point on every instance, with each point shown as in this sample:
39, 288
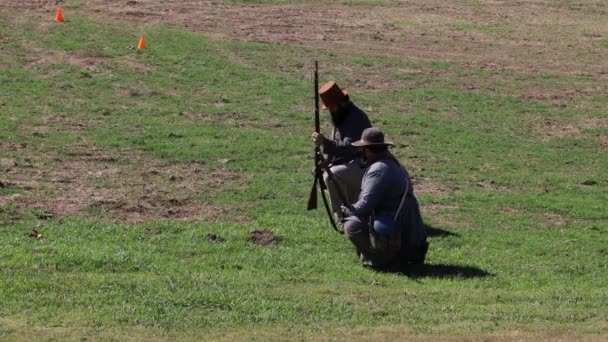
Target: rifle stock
312, 198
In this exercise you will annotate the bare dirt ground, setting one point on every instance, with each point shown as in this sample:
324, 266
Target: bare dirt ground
431, 30
531, 36
125, 186
263, 237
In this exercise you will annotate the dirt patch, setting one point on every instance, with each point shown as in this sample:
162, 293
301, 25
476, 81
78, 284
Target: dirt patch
263, 237
129, 62
547, 220
440, 207
548, 128
376, 83
8, 163
84, 59
559, 95
604, 140
90, 62
28, 5
593, 123
214, 238
492, 185
137, 93
426, 186
125, 186
553, 220
233, 119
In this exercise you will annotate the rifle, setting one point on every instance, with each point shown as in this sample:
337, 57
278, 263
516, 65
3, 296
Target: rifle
321, 165
317, 172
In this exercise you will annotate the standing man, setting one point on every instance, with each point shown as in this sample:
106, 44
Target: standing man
348, 125
385, 224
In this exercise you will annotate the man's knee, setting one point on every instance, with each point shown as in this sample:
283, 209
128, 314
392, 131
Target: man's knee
336, 170
358, 233
354, 227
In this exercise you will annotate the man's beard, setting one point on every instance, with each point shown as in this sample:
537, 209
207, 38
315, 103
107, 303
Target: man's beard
360, 156
340, 114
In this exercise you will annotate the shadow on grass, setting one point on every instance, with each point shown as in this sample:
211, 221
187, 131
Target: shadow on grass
438, 232
439, 271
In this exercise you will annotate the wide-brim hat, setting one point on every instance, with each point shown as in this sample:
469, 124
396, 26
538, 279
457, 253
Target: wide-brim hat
331, 93
372, 137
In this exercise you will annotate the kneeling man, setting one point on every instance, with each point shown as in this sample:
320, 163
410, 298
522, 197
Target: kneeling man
385, 224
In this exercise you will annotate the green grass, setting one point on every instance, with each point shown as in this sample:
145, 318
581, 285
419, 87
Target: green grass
519, 239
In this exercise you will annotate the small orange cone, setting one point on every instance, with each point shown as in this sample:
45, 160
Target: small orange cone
59, 15
142, 42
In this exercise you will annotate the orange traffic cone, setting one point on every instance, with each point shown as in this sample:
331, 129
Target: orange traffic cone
142, 42
59, 15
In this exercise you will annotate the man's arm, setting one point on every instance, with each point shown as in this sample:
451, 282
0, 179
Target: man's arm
372, 188
338, 147
350, 130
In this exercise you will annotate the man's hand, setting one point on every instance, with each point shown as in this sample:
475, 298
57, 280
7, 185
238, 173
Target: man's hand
317, 138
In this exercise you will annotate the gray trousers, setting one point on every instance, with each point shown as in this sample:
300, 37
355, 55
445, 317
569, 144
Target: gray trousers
348, 178
373, 249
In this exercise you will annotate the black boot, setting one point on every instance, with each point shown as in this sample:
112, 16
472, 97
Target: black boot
421, 255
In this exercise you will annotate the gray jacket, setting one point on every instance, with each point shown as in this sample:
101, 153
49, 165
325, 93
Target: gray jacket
382, 188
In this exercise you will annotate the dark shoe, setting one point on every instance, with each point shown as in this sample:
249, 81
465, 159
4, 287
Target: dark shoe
377, 263
365, 261
419, 259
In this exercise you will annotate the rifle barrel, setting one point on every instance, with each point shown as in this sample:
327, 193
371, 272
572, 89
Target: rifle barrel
317, 122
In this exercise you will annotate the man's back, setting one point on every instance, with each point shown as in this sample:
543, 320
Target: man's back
347, 128
381, 188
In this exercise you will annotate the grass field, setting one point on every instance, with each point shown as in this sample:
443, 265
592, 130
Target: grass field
146, 171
